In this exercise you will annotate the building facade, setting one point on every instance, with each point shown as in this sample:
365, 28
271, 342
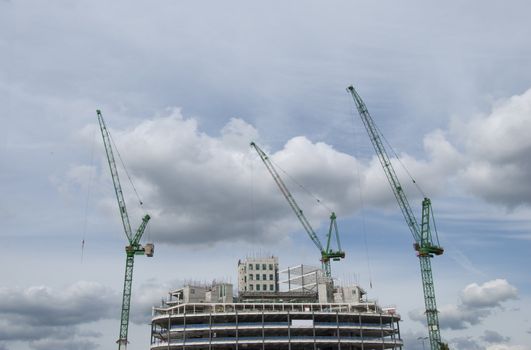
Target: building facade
290, 326
258, 274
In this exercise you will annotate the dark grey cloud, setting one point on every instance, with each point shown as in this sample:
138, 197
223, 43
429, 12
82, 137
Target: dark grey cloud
79, 303
46, 318
63, 344
453, 317
38, 313
493, 337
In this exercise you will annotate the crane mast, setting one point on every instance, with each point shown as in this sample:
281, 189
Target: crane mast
327, 253
134, 247
426, 245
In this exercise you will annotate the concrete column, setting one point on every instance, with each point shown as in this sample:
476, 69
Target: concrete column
361, 332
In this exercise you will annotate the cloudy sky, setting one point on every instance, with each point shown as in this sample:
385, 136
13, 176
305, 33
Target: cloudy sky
185, 86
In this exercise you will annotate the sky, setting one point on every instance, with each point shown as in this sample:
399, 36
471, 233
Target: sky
184, 88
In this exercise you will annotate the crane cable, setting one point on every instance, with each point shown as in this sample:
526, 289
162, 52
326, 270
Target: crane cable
362, 203
125, 169
308, 192
364, 225
400, 161
253, 199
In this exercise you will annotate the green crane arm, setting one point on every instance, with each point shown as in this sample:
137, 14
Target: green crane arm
287, 194
326, 254
134, 247
141, 229
115, 179
386, 164
424, 244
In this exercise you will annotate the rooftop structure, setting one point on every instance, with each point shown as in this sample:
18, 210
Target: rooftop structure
215, 293
258, 275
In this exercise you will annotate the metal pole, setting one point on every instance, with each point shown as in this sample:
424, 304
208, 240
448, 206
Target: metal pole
423, 340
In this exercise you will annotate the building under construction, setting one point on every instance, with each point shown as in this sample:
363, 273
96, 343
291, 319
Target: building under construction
307, 312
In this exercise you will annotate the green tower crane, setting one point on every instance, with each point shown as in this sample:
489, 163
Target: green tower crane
327, 253
426, 244
134, 247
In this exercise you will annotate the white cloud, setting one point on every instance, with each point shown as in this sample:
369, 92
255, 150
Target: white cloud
465, 343
477, 303
489, 294
497, 148
493, 341
204, 189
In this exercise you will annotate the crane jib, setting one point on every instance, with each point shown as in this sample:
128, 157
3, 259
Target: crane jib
326, 254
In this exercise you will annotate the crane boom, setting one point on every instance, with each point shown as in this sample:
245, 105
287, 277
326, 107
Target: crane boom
134, 247
386, 164
287, 194
326, 254
425, 244
114, 175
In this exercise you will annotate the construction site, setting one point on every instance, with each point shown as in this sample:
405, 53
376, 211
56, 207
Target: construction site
307, 311
310, 312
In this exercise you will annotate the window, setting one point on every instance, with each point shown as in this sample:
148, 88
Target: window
257, 287
258, 266
245, 278
250, 266
271, 266
264, 267
251, 276
271, 287
264, 277
258, 277
271, 277
251, 287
